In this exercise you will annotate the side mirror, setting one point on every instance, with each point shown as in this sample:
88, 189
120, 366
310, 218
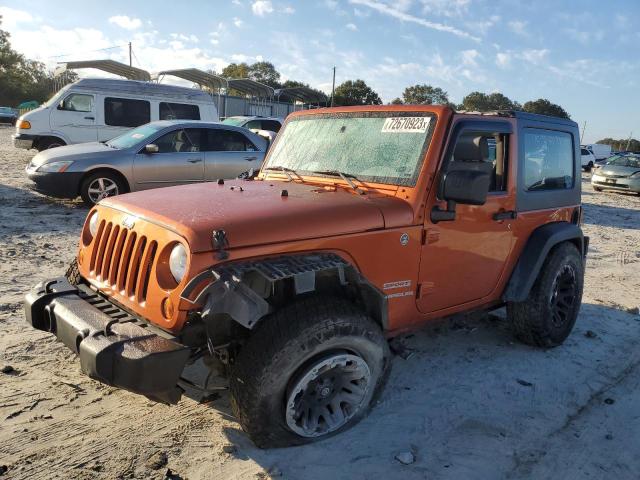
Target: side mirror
469, 187
151, 148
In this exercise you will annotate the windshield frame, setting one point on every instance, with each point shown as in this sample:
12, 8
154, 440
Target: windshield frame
410, 182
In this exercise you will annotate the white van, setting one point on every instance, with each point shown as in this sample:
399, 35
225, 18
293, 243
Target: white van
599, 150
98, 109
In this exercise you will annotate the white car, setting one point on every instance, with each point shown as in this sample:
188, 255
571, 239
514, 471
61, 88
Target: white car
99, 109
588, 159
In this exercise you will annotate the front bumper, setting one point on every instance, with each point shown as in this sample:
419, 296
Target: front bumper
625, 184
114, 347
54, 184
22, 140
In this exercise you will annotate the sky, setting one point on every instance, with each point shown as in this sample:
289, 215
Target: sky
581, 54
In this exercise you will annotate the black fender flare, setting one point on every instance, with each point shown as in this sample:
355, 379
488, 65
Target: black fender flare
222, 289
536, 250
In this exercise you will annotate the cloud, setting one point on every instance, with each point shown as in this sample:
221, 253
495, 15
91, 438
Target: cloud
185, 38
503, 59
445, 8
128, 23
388, 10
237, 22
518, 27
262, 7
352, 26
12, 17
469, 57
288, 10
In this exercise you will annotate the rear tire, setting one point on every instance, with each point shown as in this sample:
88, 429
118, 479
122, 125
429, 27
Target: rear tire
309, 371
547, 316
99, 185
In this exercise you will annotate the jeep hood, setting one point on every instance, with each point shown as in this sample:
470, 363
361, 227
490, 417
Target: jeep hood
256, 212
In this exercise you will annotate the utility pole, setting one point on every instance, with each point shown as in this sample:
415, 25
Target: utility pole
333, 88
584, 127
130, 63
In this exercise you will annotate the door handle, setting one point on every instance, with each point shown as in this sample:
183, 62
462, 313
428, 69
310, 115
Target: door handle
505, 215
194, 160
248, 159
89, 118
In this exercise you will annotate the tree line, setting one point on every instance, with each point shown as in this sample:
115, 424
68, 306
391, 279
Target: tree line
622, 145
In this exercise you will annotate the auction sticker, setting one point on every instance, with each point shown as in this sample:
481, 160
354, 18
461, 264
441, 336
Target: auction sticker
406, 124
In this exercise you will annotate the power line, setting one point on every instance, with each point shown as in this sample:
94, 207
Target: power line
87, 51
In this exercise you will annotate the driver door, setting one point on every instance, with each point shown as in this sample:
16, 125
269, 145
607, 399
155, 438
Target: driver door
75, 118
179, 160
463, 260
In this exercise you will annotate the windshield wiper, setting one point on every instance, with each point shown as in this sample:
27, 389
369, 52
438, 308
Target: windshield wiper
286, 170
343, 176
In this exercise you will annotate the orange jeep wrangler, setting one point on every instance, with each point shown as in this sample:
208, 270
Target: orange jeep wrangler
363, 223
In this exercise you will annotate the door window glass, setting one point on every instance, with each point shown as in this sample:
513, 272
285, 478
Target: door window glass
219, 140
77, 102
271, 125
482, 151
179, 141
254, 124
179, 111
548, 162
125, 112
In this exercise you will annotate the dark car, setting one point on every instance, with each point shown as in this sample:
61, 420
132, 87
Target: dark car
8, 115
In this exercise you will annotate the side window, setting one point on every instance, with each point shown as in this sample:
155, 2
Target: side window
548, 160
220, 140
584, 151
180, 141
77, 102
179, 111
125, 112
483, 151
254, 124
271, 125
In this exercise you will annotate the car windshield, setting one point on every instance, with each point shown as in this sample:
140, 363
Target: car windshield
133, 137
5, 110
625, 161
235, 121
379, 147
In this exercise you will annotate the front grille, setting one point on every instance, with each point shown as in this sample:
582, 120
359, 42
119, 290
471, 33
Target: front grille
611, 175
612, 185
123, 260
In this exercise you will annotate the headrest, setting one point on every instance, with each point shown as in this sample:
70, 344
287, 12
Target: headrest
471, 149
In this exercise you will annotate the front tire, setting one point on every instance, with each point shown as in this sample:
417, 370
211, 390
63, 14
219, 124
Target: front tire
100, 185
547, 316
308, 372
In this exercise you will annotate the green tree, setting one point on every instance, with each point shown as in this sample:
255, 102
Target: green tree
425, 95
545, 107
264, 72
236, 70
622, 145
356, 92
397, 101
481, 102
21, 79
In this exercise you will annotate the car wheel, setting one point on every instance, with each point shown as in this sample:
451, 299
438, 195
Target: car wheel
100, 185
549, 313
48, 143
308, 372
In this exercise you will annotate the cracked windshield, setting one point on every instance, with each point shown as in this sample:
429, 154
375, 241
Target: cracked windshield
377, 149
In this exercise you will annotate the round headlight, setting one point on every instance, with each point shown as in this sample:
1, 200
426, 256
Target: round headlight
93, 224
178, 262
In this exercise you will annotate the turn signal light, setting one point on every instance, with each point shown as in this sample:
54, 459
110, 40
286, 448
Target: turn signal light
24, 124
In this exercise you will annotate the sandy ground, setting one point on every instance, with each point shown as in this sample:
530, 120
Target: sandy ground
468, 403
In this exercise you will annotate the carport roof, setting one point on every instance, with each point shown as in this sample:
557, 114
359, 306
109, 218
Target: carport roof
196, 75
303, 94
109, 66
251, 87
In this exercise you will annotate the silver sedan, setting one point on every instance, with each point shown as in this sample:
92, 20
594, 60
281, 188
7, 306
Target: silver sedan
158, 154
619, 172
